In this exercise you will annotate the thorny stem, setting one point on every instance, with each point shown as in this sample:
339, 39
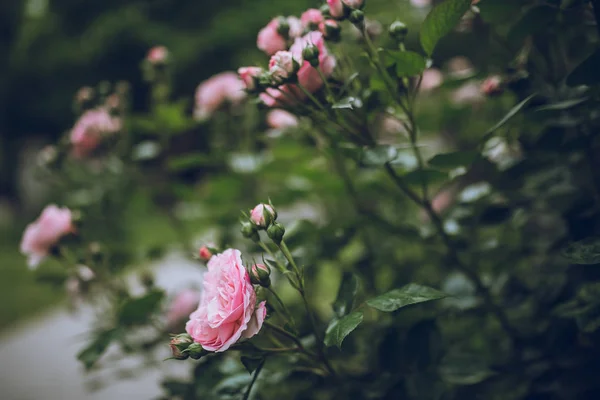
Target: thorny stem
253, 381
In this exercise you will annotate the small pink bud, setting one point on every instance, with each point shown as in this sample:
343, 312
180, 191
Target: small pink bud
179, 344
263, 215
492, 86
250, 77
260, 275
157, 55
356, 4
336, 8
330, 29
311, 19
283, 66
204, 253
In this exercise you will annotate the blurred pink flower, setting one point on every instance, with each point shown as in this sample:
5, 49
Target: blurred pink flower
357, 4
330, 28
227, 310
336, 8
460, 67
215, 91
250, 75
270, 38
432, 78
311, 18
281, 119
157, 55
204, 253
45, 232
184, 303
492, 85
90, 129
469, 93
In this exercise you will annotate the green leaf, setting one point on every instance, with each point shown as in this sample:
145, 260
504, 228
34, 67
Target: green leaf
92, 353
409, 294
189, 161
449, 161
586, 73
378, 155
584, 252
513, 111
562, 105
429, 176
251, 363
440, 21
137, 310
338, 329
346, 293
408, 63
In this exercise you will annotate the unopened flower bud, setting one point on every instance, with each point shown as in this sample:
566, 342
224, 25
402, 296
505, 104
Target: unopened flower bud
331, 30
195, 351
356, 4
179, 345
204, 253
276, 232
492, 86
325, 10
398, 30
311, 54
249, 231
283, 27
251, 77
336, 9
283, 66
158, 55
263, 215
260, 274
357, 17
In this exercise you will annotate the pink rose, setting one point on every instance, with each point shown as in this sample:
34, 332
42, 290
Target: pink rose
184, 303
336, 8
227, 310
90, 129
281, 119
218, 89
257, 215
273, 37
492, 85
311, 18
250, 76
282, 66
157, 55
45, 232
432, 78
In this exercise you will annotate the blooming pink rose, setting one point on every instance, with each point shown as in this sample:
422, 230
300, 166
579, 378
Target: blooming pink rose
184, 303
432, 78
45, 232
492, 85
270, 40
257, 215
282, 66
281, 119
227, 310
157, 55
90, 129
336, 8
215, 91
311, 18
250, 75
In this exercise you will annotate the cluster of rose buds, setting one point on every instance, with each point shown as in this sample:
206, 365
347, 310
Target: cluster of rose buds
263, 217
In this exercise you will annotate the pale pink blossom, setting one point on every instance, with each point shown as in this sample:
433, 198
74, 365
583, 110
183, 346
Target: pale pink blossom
227, 310
184, 303
250, 76
432, 79
90, 129
492, 85
307, 75
270, 39
282, 66
157, 55
311, 18
336, 8
45, 232
257, 215
218, 89
469, 93
281, 119
357, 4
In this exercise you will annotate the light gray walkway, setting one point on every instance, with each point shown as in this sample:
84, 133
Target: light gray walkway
38, 359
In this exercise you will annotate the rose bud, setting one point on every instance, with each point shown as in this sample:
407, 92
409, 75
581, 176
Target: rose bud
157, 55
398, 30
331, 30
283, 66
336, 8
196, 351
311, 19
357, 17
324, 9
204, 253
356, 4
260, 275
249, 231
276, 232
41, 236
263, 215
251, 77
179, 344
492, 86
311, 54
281, 119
